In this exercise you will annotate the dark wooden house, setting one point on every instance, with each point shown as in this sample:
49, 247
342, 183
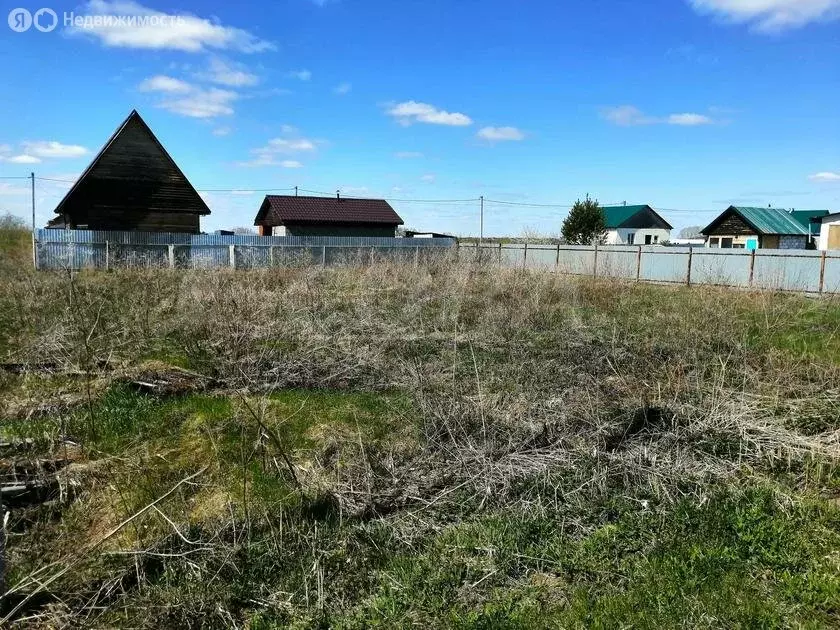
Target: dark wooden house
132, 184
740, 227
289, 215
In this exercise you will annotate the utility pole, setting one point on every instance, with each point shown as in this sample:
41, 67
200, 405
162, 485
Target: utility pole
295, 191
34, 246
481, 225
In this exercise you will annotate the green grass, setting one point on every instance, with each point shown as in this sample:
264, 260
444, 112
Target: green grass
741, 560
306, 417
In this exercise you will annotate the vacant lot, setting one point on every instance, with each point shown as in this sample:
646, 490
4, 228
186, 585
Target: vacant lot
440, 447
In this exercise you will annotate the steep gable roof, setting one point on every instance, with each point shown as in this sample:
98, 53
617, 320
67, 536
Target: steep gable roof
133, 169
282, 209
771, 220
618, 216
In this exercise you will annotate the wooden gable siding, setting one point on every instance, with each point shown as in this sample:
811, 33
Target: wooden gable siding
732, 225
133, 184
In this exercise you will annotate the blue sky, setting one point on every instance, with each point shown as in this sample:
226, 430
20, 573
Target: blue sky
689, 105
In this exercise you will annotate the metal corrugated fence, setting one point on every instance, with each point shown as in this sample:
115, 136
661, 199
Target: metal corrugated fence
799, 270
78, 249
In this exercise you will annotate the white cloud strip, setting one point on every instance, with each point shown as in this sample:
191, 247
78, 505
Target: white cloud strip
631, 116
186, 99
128, 24
825, 176
269, 155
410, 112
771, 15
500, 134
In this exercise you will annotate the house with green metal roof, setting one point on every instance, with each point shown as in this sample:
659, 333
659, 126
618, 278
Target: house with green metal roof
635, 225
766, 228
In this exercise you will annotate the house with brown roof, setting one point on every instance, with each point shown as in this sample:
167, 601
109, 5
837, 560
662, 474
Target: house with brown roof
132, 184
291, 215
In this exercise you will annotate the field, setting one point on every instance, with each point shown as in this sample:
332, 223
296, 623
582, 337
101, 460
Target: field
442, 447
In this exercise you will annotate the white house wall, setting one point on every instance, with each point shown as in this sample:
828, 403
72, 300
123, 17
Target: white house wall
827, 223
620, 236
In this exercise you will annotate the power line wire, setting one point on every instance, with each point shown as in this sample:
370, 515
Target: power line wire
521, 204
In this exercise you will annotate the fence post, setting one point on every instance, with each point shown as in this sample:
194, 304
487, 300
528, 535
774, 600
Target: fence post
171, 256
232, 256
557, 258
500, 254
416, 257
324, 255
107, 255
525, 256
639, 263
688, 273
595, 263
271, 256
371, 257
34, 261
752, 267
822, 272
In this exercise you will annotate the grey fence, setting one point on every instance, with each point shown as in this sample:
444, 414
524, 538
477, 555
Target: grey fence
84, 249
775, 269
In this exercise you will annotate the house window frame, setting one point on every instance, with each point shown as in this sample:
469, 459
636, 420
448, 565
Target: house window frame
631, 238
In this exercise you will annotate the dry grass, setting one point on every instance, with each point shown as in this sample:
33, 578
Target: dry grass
326, 427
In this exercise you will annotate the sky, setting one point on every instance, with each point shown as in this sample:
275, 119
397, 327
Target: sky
687, 105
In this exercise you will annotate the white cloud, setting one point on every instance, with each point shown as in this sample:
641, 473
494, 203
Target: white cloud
632, 116
626, 116
428, 178
53, 149
8, 190
354, 190
343, 88
689, 120
825, 176
288, 129
220, 132
190, 100
771, 15
410, 112
269, 154
160, 31
163, 83
202, 103
285, 145
5, 148
21, 159
407, 155
229, 74
301, 75
500, 134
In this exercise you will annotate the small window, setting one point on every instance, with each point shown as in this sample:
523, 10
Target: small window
631, 238
656, 239
648, 239
714, 241
726, 243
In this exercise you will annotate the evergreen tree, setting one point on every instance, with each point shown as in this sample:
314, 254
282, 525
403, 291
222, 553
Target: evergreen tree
586, 224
